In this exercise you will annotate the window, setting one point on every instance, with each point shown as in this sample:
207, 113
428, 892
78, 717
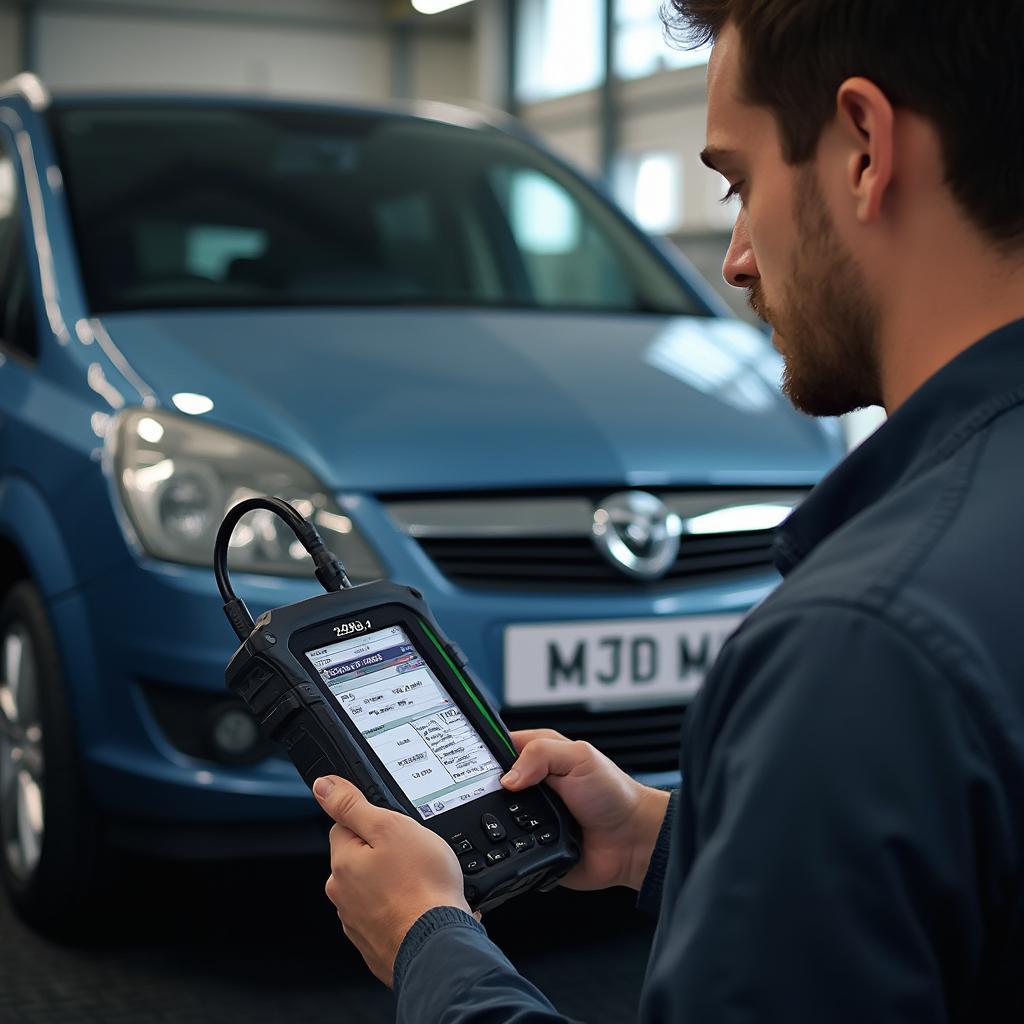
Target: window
544, 219
210, 249
186, 207
560, 48
648, 186
17, 317
640, 44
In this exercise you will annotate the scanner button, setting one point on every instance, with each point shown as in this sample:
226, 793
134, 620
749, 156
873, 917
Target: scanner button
460, 844
545, 837
527, 821
472, 864
497, 856
522, 844
309, 694
493, 828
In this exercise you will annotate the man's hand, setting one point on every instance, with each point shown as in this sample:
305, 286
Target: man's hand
620, 818
386, 870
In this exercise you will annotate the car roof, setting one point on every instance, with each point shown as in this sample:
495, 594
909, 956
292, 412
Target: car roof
32, 89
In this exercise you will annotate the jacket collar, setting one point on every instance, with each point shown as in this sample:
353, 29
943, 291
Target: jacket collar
951, 406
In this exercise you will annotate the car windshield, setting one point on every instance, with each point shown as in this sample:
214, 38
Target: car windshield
194, 206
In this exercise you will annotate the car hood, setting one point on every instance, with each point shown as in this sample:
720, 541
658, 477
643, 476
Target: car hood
385, 400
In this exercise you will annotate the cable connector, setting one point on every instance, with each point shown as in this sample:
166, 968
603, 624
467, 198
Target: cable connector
329, 570
239, 617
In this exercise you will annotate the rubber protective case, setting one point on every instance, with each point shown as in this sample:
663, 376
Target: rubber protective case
294, 707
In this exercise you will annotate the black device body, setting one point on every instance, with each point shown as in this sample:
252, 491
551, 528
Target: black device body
507, 843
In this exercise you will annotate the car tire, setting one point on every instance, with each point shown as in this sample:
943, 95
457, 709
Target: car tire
50, 835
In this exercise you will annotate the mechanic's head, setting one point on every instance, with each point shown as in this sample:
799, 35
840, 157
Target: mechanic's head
876, 146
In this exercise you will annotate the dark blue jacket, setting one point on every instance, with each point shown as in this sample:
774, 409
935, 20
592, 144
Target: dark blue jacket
848, 843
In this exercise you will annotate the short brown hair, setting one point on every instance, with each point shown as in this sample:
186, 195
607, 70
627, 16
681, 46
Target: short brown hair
959, 63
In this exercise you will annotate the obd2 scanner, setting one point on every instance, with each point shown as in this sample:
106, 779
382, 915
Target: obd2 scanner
360, 682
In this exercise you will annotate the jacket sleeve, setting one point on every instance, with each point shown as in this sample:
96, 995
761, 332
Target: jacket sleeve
449, 972
829, 871
649, 897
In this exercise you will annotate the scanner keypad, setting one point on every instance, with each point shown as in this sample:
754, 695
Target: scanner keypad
529, 830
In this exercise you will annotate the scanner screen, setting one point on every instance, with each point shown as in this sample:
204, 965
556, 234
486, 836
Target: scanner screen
432, 751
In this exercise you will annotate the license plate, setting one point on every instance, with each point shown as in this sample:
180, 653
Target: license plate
620, 660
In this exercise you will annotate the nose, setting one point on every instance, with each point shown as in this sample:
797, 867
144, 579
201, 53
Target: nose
740, 268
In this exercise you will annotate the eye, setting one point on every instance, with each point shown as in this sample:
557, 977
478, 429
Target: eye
733, 190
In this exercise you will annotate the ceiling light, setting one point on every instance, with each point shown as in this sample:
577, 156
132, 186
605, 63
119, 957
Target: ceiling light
436, 6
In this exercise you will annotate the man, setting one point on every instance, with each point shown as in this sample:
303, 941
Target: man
848, 843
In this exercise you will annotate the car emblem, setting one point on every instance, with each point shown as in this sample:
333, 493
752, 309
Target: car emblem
637, 533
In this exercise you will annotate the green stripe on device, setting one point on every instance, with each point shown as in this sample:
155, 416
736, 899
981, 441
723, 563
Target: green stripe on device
465, 685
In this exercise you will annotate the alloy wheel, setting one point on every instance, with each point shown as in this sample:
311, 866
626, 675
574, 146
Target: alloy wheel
21, 754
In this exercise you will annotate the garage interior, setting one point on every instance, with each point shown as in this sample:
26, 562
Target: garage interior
597, 83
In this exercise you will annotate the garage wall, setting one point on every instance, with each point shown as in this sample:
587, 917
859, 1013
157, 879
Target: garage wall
314, 48
569, 125
442, 68
366, 11
10, 43
660, 114
489, 53
665, 113
151, 49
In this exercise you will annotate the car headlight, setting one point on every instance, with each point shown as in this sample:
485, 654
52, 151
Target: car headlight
177, 477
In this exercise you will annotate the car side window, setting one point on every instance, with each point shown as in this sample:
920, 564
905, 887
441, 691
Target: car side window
17, 318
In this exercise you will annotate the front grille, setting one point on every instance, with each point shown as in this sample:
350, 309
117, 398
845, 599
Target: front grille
574, 563
637, 740
548, 541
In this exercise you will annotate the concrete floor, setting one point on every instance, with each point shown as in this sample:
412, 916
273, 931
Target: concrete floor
259, 944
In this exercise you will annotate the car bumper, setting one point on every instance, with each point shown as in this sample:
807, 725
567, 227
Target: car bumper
162, 624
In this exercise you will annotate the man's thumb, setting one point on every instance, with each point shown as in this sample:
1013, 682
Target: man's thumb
542, 758
323, 786
346, 804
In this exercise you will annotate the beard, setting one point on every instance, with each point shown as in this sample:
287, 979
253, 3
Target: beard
825, 326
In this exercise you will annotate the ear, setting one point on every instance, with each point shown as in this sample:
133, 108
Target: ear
864, 117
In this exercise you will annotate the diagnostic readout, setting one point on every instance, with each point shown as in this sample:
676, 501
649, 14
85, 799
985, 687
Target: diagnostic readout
427, 744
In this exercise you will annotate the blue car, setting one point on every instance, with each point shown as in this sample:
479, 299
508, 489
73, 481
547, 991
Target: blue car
435, 339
